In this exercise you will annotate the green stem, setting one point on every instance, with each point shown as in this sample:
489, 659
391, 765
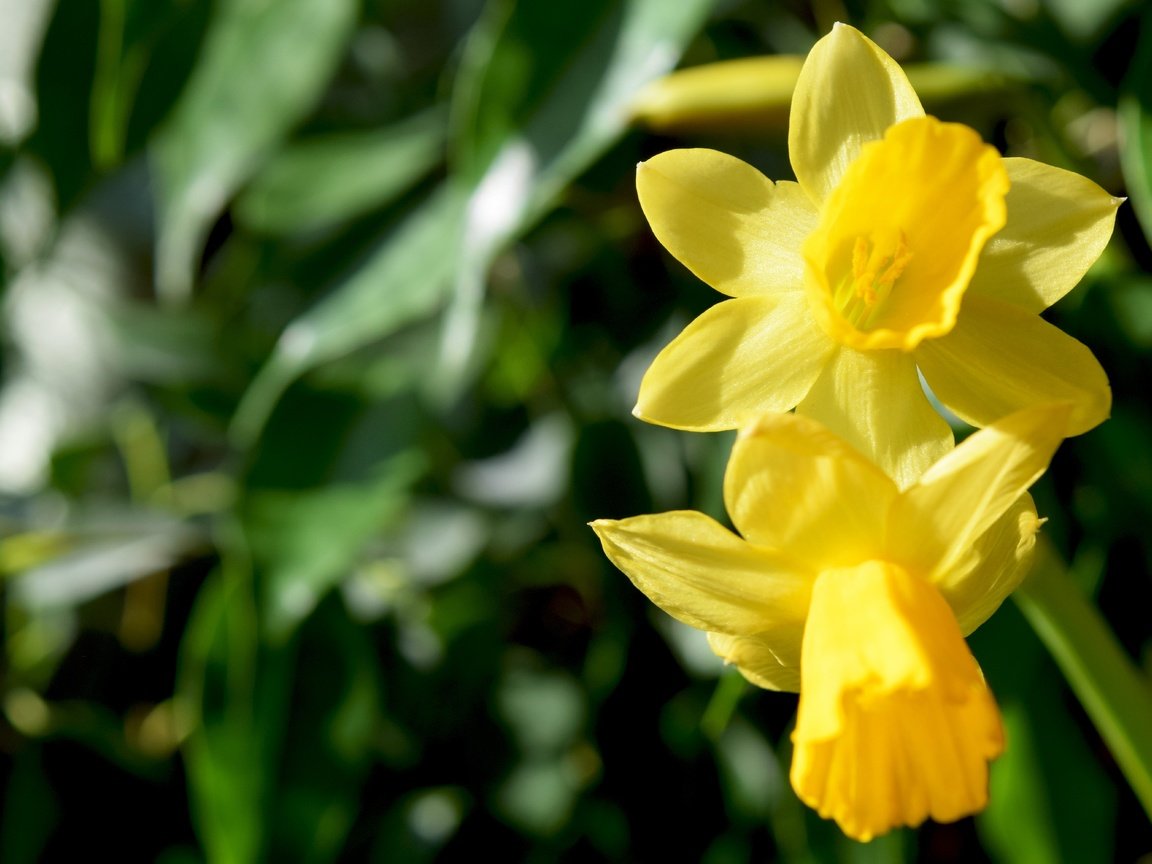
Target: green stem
1108, 684
729, 688
106, 107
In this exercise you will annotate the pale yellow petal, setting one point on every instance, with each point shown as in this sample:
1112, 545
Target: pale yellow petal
725, 221
1000, 358
874, 400
794, 486
848, 93
1058, 224
770, 660
739, 359
936, 521
997, 563
704, 575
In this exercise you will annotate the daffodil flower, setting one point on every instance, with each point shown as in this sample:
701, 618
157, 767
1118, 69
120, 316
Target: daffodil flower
859, 595
906, 244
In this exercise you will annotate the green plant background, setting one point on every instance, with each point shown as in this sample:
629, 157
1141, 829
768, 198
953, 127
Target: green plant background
323, 320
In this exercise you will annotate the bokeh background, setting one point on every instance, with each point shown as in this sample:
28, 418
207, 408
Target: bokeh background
322, 323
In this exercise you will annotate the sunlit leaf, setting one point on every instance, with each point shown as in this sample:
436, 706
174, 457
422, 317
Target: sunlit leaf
1084, 21
320, 181
103, 562
536, 104
522, 138
262, 67
406, 279
24, 24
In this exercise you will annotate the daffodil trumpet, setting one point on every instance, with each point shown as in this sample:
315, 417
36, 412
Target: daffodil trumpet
907, 247
858, 594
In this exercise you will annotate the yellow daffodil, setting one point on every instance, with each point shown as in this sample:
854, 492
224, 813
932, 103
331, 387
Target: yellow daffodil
906, 244
859, 595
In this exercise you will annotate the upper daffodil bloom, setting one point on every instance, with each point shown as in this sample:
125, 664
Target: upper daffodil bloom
906, 244
859, 595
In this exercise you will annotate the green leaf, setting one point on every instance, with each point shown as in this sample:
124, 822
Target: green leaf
262, 68
307, 540
236, 709
318, 491
1044, 809
1050, 800
266, 782
406, 279
519, 53
536, 104
329, 745
1111, 688
554, 92
25, 22
130, 548
1084, 21
31, 810
170, 347
322, 181
1135, 109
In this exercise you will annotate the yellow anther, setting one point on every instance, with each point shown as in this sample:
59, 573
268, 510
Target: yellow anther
877, 262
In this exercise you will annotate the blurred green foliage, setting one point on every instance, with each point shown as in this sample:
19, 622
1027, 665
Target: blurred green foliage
323, 323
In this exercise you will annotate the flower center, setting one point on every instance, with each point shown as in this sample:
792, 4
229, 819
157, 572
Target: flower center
899, 238
878, 259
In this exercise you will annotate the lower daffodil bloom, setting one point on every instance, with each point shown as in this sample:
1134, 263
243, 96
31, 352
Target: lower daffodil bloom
859, 595
907, 244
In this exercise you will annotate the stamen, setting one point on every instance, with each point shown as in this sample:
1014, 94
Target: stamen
878, 260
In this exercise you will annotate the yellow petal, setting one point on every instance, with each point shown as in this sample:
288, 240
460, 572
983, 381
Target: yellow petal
739, 359
997, 563
895, 723
874, 401
792, 485
770, 660
899, 238
935, 522
704, 575
725, 221
849, 92
1058, 224
1000, 358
